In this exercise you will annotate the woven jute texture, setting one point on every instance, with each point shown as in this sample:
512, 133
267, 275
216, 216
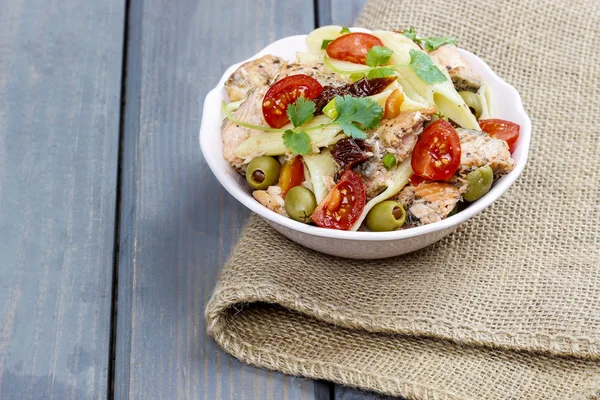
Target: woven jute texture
507, 307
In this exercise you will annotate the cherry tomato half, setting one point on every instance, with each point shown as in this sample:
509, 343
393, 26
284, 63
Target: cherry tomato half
436, 155
292, 174
415, 180
352, 47
343, 205
501, 129
285, 92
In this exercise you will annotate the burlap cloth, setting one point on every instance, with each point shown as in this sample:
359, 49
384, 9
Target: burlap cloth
508, 307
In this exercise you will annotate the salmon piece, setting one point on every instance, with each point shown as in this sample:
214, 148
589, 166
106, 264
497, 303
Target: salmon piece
479, 149
233, 135
428, 201
396, 136
272, 199
398, 133
462, 75
254, 74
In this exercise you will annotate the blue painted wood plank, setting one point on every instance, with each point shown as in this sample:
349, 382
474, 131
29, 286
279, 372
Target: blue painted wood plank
177, 224
346, 393
60, 79
339, 12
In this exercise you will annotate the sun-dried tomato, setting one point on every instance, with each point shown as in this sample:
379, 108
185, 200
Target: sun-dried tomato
361, 88
347, 153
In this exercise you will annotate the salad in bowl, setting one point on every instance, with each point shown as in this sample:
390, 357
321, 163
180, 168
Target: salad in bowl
366, 131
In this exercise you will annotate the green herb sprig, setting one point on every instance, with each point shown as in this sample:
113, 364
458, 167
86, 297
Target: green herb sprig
425, 68
378, 55
420, 63
354, 116
430, 43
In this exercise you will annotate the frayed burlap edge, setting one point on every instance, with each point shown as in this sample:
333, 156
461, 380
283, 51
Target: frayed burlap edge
560, 345
263, 357
337, 373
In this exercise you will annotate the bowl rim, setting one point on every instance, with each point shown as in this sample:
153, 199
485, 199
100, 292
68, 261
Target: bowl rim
499, 188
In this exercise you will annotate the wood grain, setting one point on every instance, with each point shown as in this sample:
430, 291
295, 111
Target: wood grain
177, 223
339, 12
60, 80
346, 393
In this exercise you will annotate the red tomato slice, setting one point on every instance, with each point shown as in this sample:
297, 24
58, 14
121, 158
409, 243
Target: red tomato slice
415, 180
352, 47
436, 155
285, 92
343, 205
292, 174
501, 129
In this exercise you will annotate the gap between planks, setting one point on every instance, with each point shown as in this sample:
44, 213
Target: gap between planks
110, 394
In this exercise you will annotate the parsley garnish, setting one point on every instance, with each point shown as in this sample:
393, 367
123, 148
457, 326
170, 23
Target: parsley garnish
410, 33
357, 76
372, 73
355, 113
433, 43
380, 73
425, 68
325, 43
389, 161
345, 30
369, 72
301, 111
297, 142
428, 44
378, 55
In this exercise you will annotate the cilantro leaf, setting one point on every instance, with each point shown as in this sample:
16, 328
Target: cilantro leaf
379, 73
352, 130
325, 43
410, 33
301, 111
425, 68
359, 109
357, 76
378, 55
428, 44
433, 43
389, 161
355, 113
345, 30
297, 142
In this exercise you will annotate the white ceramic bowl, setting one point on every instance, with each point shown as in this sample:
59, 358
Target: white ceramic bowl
362, 245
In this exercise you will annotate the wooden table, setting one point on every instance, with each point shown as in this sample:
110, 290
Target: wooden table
112, 228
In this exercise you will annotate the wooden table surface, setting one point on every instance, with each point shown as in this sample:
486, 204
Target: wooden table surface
112, 228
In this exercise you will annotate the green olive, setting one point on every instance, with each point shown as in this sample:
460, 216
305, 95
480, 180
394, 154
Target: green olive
386, 216
473, 102
480, 182
263, 172
300, 203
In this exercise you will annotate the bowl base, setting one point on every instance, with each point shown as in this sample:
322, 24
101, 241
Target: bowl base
361, 250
